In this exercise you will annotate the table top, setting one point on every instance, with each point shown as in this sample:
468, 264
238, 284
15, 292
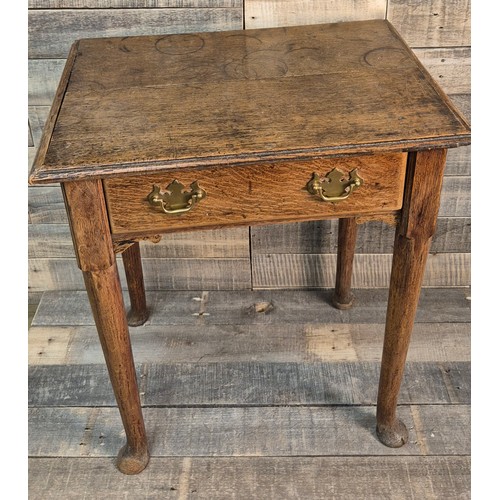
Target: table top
152, 103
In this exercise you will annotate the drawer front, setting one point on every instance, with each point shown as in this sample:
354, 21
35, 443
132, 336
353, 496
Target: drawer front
256, 194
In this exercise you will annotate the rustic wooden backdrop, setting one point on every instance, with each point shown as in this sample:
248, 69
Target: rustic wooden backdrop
300, 255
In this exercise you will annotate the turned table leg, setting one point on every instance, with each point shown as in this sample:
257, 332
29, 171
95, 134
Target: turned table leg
138, 313
342, 296
412, 242
94, 251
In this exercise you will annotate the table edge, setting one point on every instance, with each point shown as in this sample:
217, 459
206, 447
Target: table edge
101, 171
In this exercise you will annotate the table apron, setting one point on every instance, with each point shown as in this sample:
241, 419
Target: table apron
256, 194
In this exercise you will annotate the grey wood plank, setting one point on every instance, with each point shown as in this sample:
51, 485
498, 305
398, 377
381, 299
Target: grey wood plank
435, 23
130, 4
46, 205
34, 297
248, 384
248, 431
369, 270
43, 77
288, 343
456, 197
30, 137
268, 271
436, 305
458, 381
266, 14
51, 32
451, 67
49, 241
463, 103
159, 274
54, 240
452, 235
216, 243
37, 116
343, 478
243, 307
72, 307
433, 426
458, 161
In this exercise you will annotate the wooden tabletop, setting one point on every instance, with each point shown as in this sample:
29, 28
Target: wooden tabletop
151, 103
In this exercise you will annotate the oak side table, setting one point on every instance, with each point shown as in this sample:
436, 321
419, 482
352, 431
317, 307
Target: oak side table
153, 134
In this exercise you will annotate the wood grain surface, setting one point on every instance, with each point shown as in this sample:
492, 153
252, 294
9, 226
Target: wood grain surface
51, 32
159, 274
272, 13
443, 305
320, 237
46, 241
350, 478
255, 367
135, 4
252, 80
195, 342
249, 431
435, 23
219, 381
256, 194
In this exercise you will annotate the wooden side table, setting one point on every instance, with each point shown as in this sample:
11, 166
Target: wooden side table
153, 134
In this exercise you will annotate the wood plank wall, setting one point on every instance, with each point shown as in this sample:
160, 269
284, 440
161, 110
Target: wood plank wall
437, 30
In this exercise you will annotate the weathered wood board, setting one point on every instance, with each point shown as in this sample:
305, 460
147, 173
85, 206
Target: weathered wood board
330, 342
46, 205
248, 431
130, 4
249, 383
159, 274
273, 13
268, 271
51, 32
321, 478
37, 116
47, 241
452, 236
43, 77
435, 23
369, 270
270, 307
451, 67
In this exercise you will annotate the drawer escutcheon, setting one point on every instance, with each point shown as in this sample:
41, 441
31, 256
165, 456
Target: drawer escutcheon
334, 186
176, 199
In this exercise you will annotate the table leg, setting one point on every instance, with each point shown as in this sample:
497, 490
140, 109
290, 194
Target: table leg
342, 296
138, 313
412, 242
94, 251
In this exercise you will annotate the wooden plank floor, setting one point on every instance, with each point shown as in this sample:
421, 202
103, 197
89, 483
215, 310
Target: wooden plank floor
265, 394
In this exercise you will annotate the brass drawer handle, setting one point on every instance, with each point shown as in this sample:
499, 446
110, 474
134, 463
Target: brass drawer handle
176, 199
334, 187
